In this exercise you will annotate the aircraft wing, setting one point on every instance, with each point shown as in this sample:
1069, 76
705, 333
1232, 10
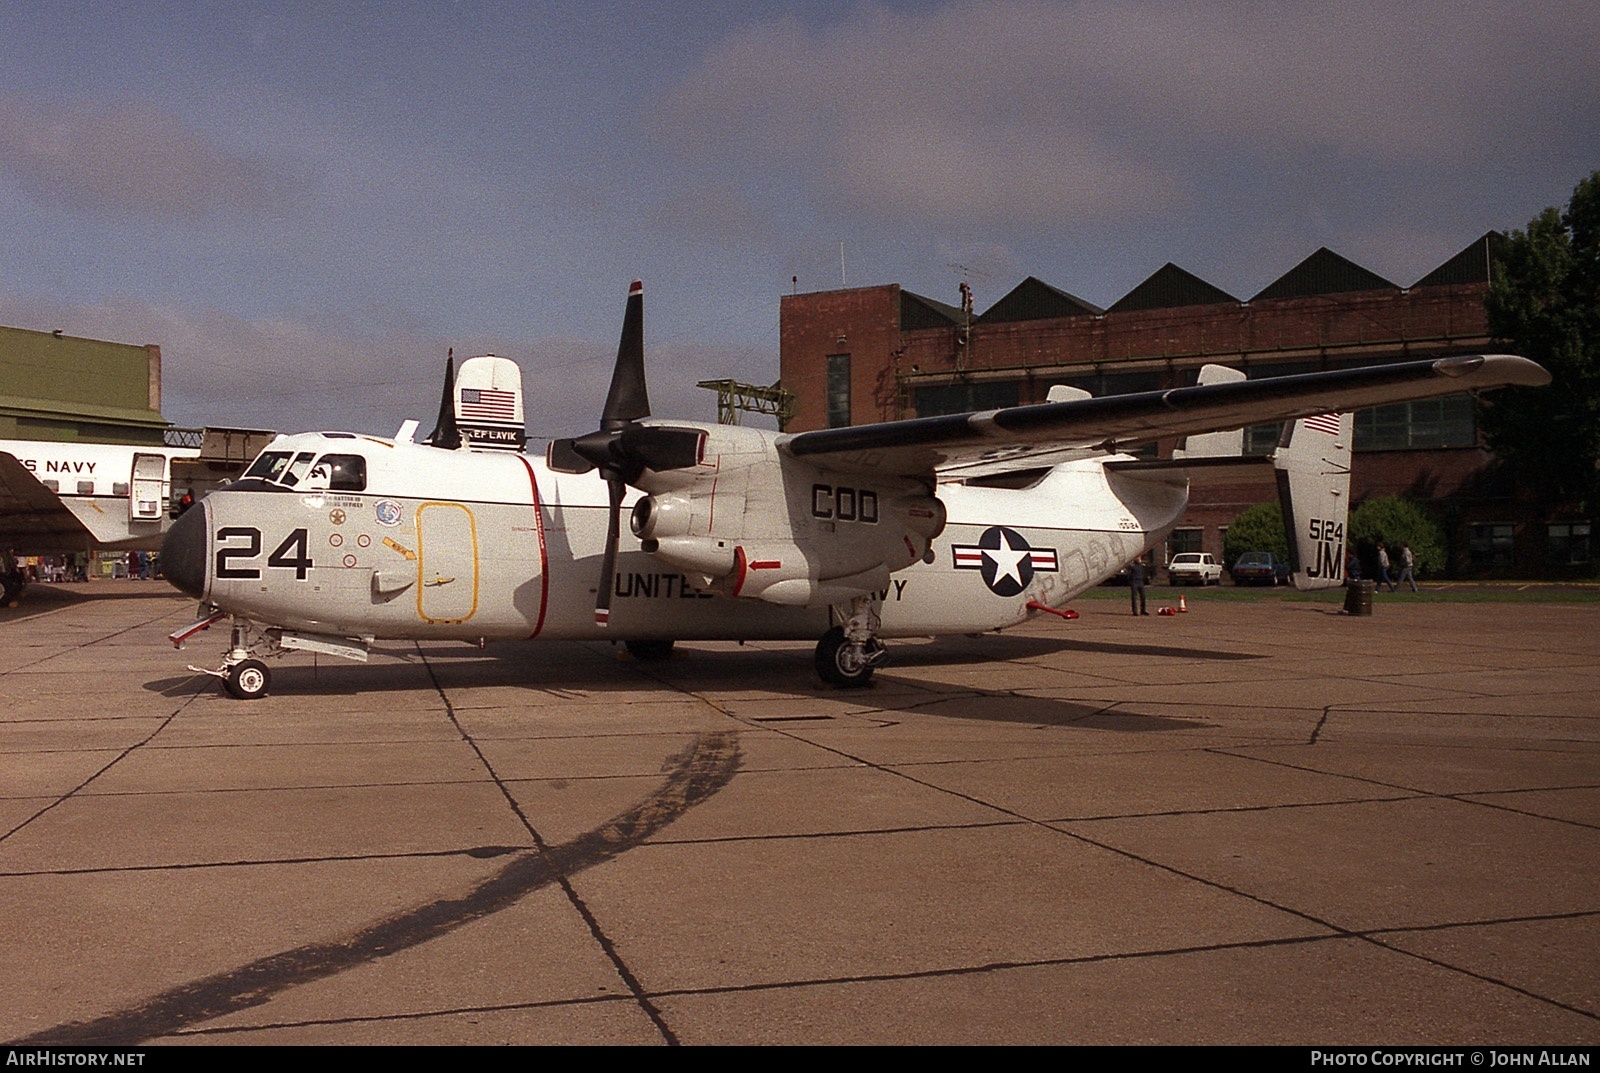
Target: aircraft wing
33, 520
1019, 437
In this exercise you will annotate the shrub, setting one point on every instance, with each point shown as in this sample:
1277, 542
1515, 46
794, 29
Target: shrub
1396, 521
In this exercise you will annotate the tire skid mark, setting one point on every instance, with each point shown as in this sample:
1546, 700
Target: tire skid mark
701, 771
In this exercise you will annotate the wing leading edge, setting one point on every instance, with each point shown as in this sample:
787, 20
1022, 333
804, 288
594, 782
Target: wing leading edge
33, 520
961, 445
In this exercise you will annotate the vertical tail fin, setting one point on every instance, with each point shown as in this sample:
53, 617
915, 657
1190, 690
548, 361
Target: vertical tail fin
1228, 444
1313, 464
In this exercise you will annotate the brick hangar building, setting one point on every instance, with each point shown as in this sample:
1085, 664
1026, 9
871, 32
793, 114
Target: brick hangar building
883, 353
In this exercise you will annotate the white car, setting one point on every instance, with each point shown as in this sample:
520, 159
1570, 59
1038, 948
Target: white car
1194, 568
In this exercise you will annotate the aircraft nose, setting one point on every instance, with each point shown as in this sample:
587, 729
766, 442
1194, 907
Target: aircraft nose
183, 552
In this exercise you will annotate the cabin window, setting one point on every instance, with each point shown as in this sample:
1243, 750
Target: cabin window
53, 485
86, 488
343, 473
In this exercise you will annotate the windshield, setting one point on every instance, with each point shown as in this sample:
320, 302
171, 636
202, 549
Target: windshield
269, 465
281, 467
1253, 557
1186, 557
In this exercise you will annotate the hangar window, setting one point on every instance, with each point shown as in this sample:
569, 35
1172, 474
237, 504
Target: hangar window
1492, 544
1568, 544
838, 390
1447, 422
1185, 540
966, 397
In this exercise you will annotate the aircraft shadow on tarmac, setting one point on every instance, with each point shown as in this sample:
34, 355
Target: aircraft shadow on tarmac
589, 668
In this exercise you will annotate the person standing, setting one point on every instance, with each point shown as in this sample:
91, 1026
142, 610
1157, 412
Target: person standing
1408, 564
1383, 567
1136, 586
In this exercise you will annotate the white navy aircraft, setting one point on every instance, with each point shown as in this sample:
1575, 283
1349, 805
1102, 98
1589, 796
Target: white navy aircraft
72, 496
935, 525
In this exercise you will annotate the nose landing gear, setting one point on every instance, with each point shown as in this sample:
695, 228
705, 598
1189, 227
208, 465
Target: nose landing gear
243, 675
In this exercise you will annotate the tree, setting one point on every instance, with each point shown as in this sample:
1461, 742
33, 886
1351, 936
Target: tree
1397, 521
1544, 300
1257, 528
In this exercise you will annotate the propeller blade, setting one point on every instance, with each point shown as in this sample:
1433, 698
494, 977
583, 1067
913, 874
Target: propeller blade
445, 433
628, 400
615, 486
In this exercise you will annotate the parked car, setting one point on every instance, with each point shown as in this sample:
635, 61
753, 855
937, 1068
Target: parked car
1194, 568
1260, 568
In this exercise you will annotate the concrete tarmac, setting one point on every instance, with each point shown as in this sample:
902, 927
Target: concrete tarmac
1259, 822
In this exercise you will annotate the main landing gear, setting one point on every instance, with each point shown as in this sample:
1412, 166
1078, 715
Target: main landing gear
848, 654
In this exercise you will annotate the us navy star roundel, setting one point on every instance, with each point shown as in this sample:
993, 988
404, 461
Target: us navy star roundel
1005, 559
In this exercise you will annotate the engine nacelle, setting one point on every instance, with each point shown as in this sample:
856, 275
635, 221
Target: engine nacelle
748, 521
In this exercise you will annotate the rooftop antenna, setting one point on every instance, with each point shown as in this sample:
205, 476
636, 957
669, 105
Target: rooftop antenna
842, 283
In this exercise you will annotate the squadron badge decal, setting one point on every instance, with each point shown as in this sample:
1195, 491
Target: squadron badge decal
1005, 559
388, 512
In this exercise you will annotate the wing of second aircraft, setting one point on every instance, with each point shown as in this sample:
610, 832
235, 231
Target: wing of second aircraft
33, 520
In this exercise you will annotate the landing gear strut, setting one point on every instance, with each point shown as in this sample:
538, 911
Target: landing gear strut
848, 654
243, 675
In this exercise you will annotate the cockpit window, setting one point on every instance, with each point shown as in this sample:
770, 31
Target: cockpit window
342, 473
269, 465
297, 469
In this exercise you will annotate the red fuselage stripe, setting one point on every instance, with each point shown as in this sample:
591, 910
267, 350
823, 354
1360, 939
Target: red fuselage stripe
544, 561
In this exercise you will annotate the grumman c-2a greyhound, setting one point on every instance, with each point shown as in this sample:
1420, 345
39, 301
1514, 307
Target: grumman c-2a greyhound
935, 525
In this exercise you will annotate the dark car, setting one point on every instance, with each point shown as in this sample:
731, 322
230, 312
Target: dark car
1260, 568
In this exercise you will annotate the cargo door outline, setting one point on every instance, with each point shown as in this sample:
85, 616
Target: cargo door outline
147, 488
447, 563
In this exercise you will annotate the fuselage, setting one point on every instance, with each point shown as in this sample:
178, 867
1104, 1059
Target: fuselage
366, 537
119, 492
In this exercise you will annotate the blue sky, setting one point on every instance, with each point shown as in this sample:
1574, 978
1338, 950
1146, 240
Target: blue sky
306, 204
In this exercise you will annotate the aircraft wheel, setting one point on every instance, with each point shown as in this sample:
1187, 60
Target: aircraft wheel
838, 663
248, 680
649, 650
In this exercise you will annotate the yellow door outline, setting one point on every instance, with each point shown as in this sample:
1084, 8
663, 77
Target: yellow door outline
434, 579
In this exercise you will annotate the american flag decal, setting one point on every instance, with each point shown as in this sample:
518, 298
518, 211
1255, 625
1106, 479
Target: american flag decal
488, 404
1327, 424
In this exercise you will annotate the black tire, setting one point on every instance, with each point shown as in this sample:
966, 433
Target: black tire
837, 665
649, 650
249, 680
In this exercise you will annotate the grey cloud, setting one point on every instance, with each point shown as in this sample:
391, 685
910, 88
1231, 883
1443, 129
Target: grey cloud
127, 156
1031, 111
291, 375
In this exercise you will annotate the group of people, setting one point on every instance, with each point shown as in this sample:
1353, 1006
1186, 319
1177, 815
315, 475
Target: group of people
1408, 568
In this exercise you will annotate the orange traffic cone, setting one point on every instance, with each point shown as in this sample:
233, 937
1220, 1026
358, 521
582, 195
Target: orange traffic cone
1167, 611
1183, 605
